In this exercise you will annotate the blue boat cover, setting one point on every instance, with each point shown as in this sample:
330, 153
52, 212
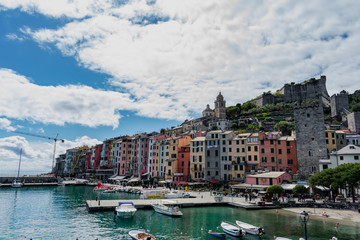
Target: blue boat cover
126, 203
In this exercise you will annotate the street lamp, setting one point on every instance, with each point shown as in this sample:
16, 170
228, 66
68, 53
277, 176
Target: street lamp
304, 216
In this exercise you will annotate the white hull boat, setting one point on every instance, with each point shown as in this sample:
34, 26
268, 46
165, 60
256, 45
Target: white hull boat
281, 238
251, 229
17, 184
125, 210
141, 235
170, 209
232, 229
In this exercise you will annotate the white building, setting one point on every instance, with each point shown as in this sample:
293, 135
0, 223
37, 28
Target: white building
348, 154
353, 139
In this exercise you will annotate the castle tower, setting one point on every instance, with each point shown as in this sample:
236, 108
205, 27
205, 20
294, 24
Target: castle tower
339, 103
310, 139
220, 107
208, 112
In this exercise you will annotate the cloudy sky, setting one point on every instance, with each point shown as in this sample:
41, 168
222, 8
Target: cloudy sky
90, 70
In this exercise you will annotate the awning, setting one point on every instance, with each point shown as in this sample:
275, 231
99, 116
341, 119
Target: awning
134, 180
322, 188
118, 178
213, 181
249, 186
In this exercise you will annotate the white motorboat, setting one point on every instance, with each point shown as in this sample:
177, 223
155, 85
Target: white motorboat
251, 229
232, 229
281, 238
17, 183
141, 235
170, 209
125, 209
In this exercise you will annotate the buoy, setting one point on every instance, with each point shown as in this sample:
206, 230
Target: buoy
175, 230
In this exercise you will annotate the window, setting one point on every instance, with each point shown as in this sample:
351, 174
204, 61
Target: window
216, 173
237, 142
356, 157
216, 153
255, 157
208, 153
290, 161
279, 142
208, 173
279, 161
230, 158
249, 158
216, 164
236, 167
249, 140
272, 150
263, 150
272, 159
280, 152
182, 163
237, 149
333, 141
271, 142
263, 160
327, 141
262, 142
229, 149
200, 158
255, 148
242, 149
225, 167
288, 150
287, 143
224, 142
229, 142
208, 164
169, 164
249, 148
272, 168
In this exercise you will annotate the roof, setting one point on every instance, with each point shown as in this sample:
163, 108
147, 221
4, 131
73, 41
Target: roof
267, 175
349, 150
198, 139
249, 186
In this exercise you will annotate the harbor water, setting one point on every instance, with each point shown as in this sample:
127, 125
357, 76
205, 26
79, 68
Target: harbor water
60, 213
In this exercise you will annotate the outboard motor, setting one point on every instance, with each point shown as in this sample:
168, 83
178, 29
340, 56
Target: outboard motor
261, 231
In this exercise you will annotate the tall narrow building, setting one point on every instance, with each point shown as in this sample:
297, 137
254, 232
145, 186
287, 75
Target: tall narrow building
220, 107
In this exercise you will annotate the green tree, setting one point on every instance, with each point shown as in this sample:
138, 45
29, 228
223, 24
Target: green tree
285, 127
162, 131
233, 112
213, 127
275, 189
247, 106
234, 125
344, 176
300, 189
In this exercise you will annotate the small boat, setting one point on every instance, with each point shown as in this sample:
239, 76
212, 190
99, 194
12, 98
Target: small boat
217, 234
281, 238
141, 235
109, 190
170, 209
100, 187
125, 209
251, 229
17, 183
232, 229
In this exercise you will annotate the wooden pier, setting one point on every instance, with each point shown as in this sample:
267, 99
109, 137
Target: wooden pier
201, 200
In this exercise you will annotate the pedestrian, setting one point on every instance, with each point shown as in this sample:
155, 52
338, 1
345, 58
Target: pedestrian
246, 197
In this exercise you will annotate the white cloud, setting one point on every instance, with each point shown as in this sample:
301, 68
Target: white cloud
241, 48
5, 124
36, 156
59, 105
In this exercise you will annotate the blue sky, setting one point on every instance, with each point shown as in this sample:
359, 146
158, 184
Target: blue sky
92, 70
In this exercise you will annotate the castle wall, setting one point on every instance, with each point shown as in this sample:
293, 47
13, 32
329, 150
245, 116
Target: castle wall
312, 89
339, 102
354, 122
310, 139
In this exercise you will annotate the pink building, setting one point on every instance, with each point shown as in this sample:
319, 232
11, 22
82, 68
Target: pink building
269, 178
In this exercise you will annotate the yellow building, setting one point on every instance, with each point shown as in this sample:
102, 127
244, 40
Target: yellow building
237, 155
335, 140
197, 158
252, 152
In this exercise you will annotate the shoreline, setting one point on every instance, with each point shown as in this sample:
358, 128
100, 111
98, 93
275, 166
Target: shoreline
343, 217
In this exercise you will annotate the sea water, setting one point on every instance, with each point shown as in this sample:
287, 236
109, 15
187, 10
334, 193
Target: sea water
60, 213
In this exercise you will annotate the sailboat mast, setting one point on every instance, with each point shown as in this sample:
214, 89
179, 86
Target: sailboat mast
19, 163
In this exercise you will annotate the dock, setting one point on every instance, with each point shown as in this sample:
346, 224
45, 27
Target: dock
203, 199
33, 184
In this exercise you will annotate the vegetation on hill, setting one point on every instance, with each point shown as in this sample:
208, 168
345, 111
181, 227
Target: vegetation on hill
354, 101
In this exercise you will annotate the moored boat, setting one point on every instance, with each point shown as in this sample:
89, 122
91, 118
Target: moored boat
16, 184
170, 209
125, 209
100, 187
141, 235
232, 229
281, 238
217, 234
251, 229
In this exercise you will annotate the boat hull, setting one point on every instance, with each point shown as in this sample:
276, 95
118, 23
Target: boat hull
250, 229
141, 235
217, 234
173, 212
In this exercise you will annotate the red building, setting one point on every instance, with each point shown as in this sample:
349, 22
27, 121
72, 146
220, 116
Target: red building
277, 153
97, 158
183, 173
124, 169
88, 160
